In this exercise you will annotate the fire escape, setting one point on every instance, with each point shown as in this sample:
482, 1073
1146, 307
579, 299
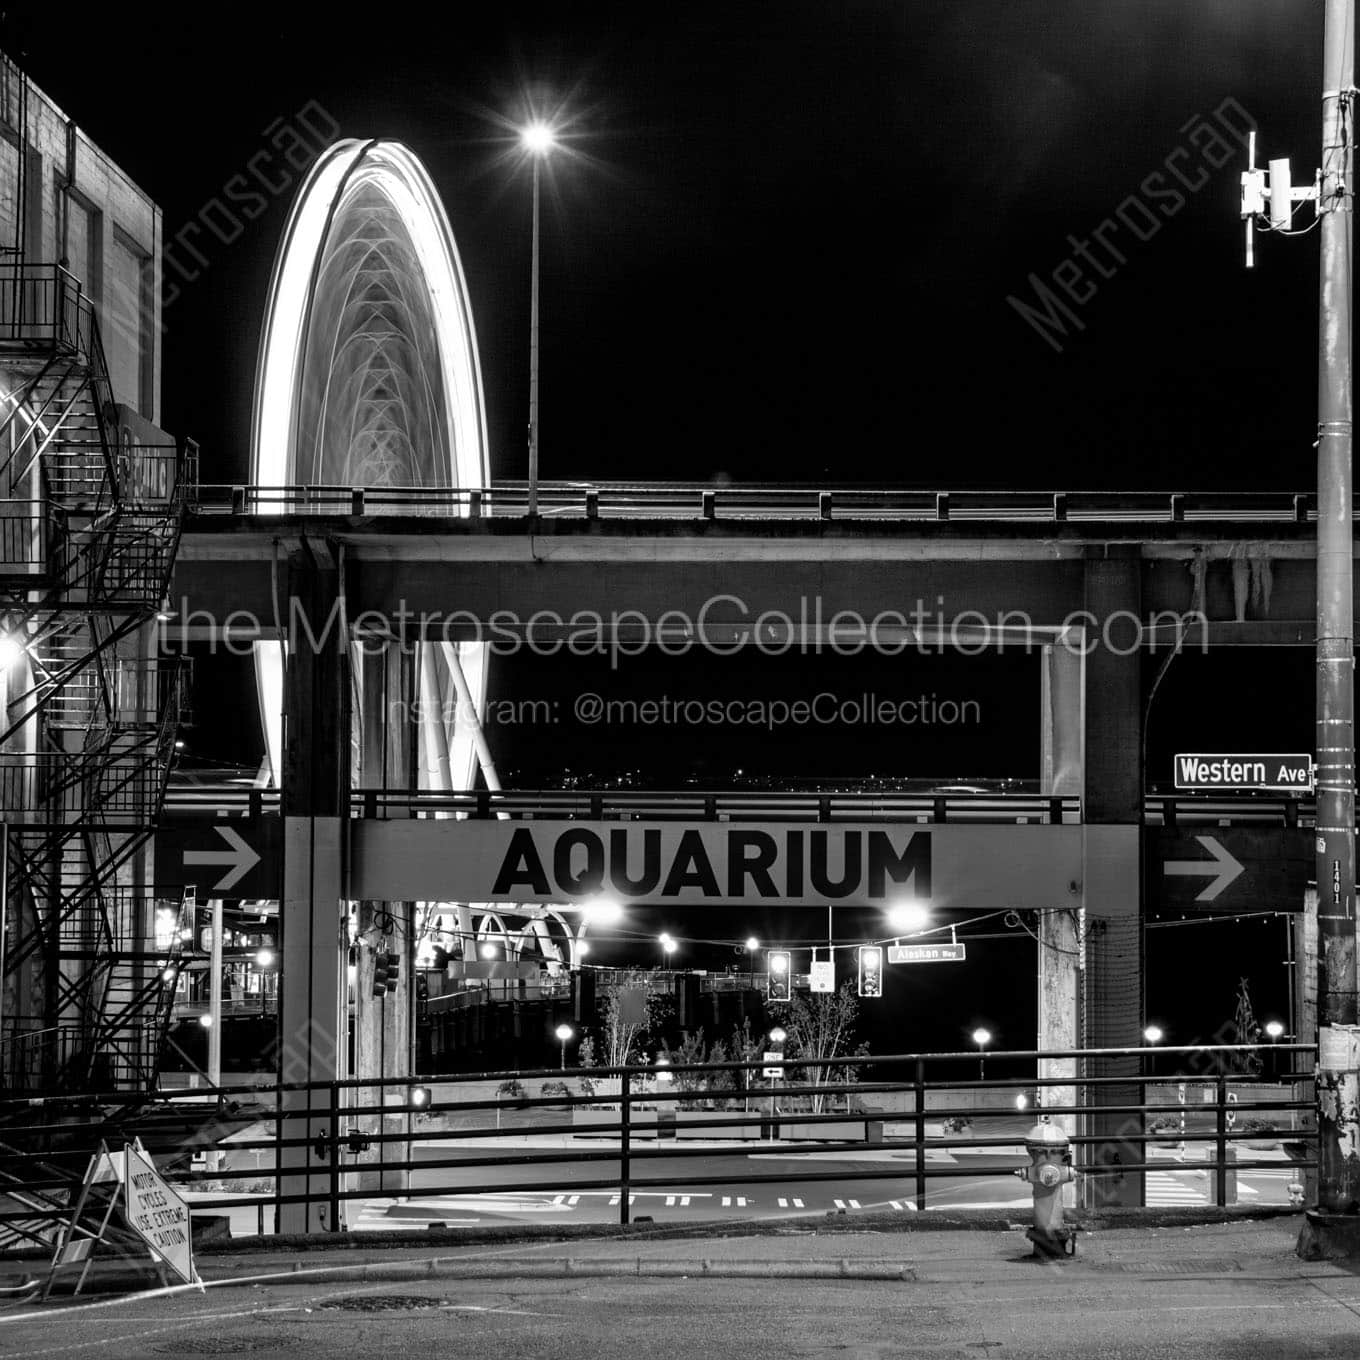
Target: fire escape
88, 537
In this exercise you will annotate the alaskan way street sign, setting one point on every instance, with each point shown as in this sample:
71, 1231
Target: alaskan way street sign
1227, 868
927, 953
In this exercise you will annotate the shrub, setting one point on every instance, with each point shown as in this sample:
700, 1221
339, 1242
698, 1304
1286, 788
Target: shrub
512, 1089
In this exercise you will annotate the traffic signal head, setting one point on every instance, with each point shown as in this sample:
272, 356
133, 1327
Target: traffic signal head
380, 966
779, 975
393, 971
870, 970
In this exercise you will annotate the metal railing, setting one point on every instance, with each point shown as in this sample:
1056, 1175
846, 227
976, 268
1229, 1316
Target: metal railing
316, 1140
1160, 809
672, 500
678, 805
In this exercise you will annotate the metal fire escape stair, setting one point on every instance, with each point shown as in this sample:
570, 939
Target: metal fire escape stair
87, 542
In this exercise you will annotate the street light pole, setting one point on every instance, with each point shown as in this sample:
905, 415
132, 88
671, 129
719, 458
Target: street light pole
533, 358
1338, 1174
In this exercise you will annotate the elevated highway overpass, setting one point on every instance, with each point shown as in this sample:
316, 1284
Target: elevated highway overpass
1115, 573
449, 562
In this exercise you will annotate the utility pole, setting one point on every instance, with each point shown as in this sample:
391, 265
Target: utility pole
533, 360
1337, 1084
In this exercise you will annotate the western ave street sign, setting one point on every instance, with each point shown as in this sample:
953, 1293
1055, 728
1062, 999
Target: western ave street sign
1244, 773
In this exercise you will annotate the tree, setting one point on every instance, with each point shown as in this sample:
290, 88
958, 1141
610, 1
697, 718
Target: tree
1245, 1030
691, 1050
620, 1033
821, 1027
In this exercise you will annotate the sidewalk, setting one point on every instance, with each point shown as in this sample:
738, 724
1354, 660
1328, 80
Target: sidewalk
892, 1248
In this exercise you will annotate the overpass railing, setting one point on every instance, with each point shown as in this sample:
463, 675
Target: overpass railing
1160, 809
682, 805
675, 500
1205, 1113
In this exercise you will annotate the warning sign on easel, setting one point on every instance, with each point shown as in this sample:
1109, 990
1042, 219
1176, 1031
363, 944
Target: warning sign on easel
124, 1204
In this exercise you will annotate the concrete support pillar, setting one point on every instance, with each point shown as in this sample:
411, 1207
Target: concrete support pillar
314, 914
1062, 719
1112, 867
382, 1025
1062, 769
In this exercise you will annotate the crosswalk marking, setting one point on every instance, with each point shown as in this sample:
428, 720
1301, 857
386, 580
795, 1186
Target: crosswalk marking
1167, 1188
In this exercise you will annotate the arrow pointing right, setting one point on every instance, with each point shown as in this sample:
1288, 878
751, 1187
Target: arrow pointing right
239, 858
1224, 868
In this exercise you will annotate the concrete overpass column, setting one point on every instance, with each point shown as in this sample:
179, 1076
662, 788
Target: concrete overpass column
382, 1025
314, 794
1062, 766
1112, 865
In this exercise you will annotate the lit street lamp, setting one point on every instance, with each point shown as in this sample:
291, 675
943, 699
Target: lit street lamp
982, 1037
564, 1033
752, 944
668, 947
907, 918
1274, 1030
1153, 1034
538, 140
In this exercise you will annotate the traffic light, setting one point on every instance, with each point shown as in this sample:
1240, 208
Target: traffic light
393, 971
870, 970
380, 974
779, 975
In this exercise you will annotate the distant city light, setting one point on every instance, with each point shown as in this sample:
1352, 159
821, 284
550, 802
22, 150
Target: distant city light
1021, 1101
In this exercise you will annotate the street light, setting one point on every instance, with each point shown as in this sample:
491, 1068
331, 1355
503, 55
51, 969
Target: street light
564, 1032
1274, 1029
1153, 1034
668, 947
982, 1037
778, 1035
603, 911
906, 918
537, 140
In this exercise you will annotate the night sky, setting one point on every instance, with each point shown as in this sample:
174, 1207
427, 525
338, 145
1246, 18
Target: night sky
783, 249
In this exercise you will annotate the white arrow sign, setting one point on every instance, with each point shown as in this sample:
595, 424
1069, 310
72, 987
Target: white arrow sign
1223, 869
240, 859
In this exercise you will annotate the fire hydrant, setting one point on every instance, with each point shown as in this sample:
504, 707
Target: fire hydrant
1049, 1169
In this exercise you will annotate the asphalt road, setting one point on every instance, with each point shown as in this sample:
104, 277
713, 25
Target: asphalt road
956, 1294
735, 1184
